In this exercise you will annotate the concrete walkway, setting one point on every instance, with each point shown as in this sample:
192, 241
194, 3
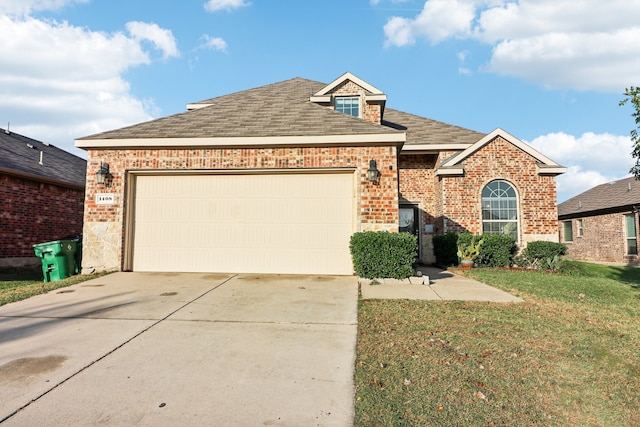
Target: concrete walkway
153, 349
442, 285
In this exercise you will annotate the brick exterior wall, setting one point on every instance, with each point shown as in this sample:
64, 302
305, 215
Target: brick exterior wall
499, 159
453, 203
603, 238
104, 231
419, 187
33, 212
458, 205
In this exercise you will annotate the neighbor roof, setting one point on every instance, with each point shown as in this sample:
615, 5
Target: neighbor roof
280, 110
614, 196
29, 158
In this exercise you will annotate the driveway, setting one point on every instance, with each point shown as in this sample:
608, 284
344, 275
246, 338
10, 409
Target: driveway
182, 349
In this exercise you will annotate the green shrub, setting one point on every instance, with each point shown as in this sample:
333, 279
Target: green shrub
541, 249
497, 250
378, 254
445, 248
541, 254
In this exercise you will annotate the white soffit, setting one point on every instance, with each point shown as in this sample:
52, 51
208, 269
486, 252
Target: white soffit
432, 148
386, 138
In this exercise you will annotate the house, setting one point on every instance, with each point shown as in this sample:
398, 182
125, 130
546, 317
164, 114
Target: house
601, 224
41, 196
277, 178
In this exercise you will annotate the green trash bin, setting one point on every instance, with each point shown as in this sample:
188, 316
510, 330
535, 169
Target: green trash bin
58, 259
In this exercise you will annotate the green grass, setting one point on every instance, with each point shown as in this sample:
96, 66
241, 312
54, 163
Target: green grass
568, 355
21, 283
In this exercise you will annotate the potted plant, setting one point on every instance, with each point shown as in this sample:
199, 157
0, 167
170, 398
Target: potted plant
469, 252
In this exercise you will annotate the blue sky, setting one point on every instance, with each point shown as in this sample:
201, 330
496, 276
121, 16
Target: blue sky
550, 72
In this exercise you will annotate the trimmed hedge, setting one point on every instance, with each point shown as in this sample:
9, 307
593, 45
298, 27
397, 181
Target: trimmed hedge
445, 249
540, 253
380, 254
497, 250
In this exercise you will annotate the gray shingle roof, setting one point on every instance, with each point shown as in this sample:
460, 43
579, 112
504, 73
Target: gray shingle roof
21, 155
613, 196
284, 109
421, 130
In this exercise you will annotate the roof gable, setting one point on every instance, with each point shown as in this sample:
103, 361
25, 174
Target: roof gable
453, 165
619, 195
348, 77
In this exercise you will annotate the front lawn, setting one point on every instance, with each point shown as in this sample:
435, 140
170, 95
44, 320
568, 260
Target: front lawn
21, 283
568, 355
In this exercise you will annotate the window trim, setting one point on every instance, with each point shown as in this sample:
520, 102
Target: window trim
627, 237
517, 209
564, 231
350, 97
580, 227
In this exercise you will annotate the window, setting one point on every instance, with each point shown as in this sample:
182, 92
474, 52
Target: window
500, 209
580, 228
568, 231
630, 229
348, 105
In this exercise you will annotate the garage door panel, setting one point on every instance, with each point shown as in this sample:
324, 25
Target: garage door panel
269, 223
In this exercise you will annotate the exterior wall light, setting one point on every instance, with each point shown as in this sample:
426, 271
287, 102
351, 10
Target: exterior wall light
373, 173
103, 176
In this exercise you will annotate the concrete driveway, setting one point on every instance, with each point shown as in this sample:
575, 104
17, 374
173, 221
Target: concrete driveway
182, 349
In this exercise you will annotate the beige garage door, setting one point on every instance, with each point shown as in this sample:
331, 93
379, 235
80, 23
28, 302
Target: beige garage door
254, 223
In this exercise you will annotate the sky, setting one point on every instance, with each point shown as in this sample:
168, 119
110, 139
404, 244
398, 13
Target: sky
550, 72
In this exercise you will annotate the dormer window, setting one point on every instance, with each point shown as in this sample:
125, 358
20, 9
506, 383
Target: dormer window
348, 105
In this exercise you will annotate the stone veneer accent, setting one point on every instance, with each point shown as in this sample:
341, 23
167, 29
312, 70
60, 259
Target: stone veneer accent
104, 230
603, 239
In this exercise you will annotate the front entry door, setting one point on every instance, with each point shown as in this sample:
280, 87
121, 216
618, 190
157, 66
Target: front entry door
409, 219
409, 223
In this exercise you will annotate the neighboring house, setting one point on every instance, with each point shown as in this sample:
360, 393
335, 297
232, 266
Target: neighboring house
601, 224
276, 179
41, 196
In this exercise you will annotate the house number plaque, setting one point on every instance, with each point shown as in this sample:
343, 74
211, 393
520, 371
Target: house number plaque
105, 199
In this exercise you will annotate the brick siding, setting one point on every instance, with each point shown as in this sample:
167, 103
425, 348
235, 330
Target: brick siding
34, 212
419, 186
538, 214
377, 204
603, 239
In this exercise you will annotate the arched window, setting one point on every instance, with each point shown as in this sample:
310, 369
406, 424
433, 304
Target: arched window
500, 209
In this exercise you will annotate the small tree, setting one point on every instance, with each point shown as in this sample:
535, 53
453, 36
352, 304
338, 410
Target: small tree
632, 95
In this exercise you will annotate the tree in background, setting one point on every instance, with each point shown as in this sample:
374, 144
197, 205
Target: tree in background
632, 95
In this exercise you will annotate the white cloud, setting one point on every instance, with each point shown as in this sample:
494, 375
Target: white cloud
591, 159
586, 45
228, 5
430, 23
23, 7
59, 82
162, 39
215, 43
